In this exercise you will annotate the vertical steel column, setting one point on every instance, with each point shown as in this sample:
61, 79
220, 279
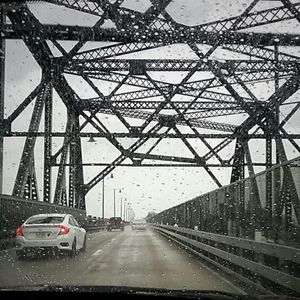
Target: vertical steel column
276, 172
60, 181
243, 225
30, 190
26, 167
48, 144
72, 168
79, 181
269, 200
276, 86
289, 195
103, 202
64, 199
269, 161
76, 192
238, 169
72, 159
2, 82
254, 207
238, 173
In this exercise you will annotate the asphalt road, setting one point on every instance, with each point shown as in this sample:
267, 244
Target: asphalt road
129, 258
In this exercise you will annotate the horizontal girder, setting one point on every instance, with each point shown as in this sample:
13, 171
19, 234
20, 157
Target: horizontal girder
135, 133
165, 65
87, 104
67, 33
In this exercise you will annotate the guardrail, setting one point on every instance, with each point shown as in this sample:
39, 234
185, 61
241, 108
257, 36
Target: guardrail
94, 229
262, 207
270, 267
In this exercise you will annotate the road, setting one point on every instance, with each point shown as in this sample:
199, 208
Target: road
129, 258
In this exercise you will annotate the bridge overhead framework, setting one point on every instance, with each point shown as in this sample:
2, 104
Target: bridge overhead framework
187, 110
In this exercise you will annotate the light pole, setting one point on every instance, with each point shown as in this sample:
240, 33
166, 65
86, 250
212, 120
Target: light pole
111, 177
115, 201
103, 200
125, 210
121, 209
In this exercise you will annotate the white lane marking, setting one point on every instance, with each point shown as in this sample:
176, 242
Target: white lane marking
98, 252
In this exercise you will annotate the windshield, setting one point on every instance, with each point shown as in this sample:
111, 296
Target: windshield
168, 133
45, 220
141, 221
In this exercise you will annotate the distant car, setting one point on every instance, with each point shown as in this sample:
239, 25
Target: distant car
115, 223
138, 224
50, 232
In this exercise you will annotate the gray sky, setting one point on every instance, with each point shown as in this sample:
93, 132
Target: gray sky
146, 188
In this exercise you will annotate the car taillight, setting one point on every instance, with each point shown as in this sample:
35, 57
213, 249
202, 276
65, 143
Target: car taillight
19, 231
63, 229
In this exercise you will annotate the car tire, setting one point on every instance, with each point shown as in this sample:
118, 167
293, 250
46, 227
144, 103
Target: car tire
20, 254
72, 252
84, 244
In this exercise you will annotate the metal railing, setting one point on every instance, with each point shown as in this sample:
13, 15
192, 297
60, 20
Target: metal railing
267, 266
263, 207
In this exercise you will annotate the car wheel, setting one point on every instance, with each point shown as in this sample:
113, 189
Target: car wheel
84, 245
72, 252
20, 254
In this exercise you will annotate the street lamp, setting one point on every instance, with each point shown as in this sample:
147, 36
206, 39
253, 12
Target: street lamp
121, 209
111, 177
115, 200
125, 209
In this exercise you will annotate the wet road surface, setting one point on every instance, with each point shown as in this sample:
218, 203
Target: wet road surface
129, 258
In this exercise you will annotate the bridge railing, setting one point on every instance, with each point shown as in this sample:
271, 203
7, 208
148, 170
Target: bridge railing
266, 266
14, 211
263, 207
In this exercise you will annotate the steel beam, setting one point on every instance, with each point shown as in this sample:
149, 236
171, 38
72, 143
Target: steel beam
173, 65
48, 144
61, 32
27, 158
60, 188
2, 88
156, 32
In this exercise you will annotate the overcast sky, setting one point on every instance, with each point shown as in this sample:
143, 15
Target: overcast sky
146, 189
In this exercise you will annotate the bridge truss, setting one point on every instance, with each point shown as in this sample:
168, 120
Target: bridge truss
187, 110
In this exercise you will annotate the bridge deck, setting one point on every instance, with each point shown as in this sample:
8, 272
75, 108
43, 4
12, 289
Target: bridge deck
129, 258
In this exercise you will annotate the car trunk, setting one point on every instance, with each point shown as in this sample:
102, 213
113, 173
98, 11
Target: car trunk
41, 232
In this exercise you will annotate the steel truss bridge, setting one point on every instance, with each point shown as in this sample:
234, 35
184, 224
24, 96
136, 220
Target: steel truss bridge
228, 89
213, 86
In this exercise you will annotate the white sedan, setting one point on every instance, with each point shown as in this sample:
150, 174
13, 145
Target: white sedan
50, 232
138, 224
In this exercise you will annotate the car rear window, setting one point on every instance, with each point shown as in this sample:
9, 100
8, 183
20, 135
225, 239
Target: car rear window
45, 220
139, 221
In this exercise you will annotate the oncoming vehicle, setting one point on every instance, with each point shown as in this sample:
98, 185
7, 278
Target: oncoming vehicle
50, 232
138, 224
115, 223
